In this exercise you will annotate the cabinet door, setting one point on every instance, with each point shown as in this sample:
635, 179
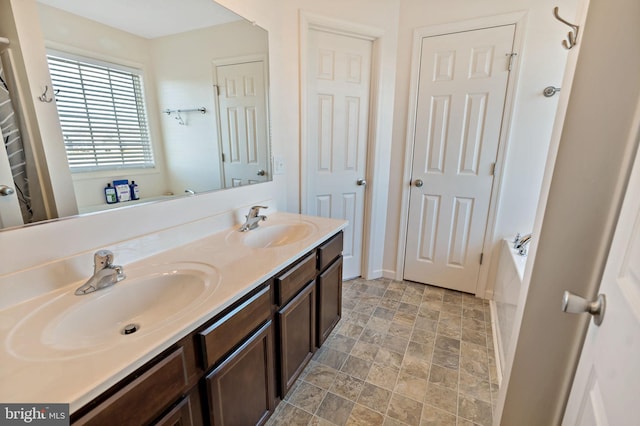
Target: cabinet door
186, 413
329, 299
241, 389
297, 326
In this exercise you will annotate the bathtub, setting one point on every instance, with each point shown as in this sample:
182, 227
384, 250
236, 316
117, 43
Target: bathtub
506, 294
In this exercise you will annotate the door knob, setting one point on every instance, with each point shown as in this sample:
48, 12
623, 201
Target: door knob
361, 182
5, 190
261, 172
574, 304
418, 183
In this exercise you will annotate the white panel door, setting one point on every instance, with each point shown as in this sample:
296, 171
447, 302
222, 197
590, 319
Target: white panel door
242, 105
461, 93
10, 214
606, 388
339, 69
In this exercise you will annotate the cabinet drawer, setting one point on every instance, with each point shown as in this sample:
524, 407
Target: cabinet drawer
328, 251
289, 283
145, 397
225, 334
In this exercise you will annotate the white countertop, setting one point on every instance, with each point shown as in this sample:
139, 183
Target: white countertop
80, 377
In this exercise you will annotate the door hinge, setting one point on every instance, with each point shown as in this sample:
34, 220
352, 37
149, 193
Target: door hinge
481, 257
223, 157
217, 89
493, 169
510, 55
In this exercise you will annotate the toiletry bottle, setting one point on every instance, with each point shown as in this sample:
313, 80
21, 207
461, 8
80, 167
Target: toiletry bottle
110, 194
135, 191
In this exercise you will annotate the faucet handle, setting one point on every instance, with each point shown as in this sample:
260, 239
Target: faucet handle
255, 210
102, 259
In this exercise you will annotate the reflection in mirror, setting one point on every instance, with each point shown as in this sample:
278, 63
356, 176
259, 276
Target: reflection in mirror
171, 95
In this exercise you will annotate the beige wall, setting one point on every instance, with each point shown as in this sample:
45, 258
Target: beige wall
183, 66
72, 34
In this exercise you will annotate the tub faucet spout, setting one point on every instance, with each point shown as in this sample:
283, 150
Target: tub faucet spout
522, 244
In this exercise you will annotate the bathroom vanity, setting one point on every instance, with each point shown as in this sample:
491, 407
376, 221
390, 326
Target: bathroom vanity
270, 299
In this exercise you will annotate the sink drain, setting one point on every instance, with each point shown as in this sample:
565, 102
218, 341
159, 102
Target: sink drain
130, 329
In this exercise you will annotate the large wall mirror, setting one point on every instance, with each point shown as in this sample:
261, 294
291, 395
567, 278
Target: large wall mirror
171, 95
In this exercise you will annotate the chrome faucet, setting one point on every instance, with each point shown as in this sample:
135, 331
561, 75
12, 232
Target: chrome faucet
253, 219
105, 273
521, 243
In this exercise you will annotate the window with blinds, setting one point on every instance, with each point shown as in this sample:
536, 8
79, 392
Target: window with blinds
102, 114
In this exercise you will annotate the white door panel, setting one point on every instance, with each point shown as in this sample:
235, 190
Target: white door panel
461, 92
339, 70
606, 387
242, 105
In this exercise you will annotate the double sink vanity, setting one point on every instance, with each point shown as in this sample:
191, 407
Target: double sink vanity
215, 331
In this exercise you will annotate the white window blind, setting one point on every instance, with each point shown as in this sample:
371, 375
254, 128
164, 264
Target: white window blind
102, 114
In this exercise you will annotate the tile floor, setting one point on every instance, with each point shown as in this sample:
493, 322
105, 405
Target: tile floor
403, 354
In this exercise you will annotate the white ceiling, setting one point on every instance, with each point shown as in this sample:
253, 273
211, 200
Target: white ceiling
149, 18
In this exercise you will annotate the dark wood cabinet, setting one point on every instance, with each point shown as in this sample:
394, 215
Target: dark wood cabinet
187, 412
234, 369
297, 344
241, 389
329, 299
144, 397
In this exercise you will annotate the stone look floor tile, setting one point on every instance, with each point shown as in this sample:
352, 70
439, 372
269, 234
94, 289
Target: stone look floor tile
432, 416
335, 409
330, 357
356, 367
445, 359
444, 377
442, 398
405, 409
403, 354
346, 386
307, 397
320, 375
364, 350
375, 398
479, 412
288, 415
474, 387
411, 386
382, 376
363, 416
415, 367
389, 358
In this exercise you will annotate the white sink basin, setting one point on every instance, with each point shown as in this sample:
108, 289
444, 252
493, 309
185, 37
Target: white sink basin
148, 299
273, 235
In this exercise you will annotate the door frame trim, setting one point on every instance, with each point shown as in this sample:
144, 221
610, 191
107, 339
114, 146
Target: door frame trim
519, 20
310, 21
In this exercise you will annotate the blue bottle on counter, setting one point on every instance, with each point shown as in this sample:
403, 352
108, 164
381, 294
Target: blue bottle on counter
110, 194
135, 191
